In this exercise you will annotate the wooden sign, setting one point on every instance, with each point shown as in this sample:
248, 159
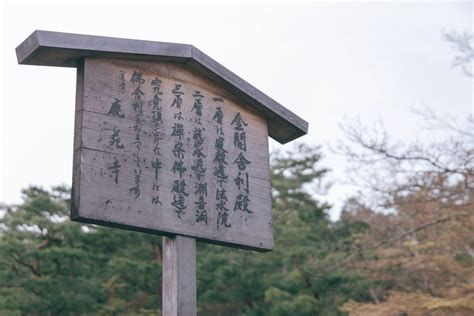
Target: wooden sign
162, 149
167, 140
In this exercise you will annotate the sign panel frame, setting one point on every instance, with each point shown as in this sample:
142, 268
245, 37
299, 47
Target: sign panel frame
215, 186
72, 50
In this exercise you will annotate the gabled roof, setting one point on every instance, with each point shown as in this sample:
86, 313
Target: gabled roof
47, 48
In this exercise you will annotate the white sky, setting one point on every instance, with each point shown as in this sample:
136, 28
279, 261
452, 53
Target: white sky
325, 60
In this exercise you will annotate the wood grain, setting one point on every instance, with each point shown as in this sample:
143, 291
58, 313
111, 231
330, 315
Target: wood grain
67, 50
106, 137
179, 276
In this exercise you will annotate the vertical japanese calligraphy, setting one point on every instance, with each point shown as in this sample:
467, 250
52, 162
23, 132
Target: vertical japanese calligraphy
179, 186
114, 169
220, 165
137, 105
116, 109
114, 142
198, 166
122, 82
162, 148
156, 118
242, 180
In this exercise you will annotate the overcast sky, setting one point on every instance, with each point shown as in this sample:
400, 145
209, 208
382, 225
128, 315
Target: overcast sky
323, 61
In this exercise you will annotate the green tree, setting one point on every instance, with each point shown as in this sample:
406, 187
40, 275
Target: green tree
52, 266
293, 279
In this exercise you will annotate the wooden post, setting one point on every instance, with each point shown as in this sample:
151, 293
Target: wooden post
179, 276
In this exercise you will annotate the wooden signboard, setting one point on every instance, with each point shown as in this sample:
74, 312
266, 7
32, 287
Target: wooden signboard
159, 148
168, 141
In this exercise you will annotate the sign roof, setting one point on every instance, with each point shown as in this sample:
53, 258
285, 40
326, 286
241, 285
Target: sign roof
59, 49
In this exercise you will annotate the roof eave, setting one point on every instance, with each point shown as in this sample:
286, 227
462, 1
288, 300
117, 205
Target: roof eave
58, 49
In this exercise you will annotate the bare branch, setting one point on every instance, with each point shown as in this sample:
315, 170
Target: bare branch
462, 42
418, 228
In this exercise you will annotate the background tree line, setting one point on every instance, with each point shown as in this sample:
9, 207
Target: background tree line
406, 248
403, 246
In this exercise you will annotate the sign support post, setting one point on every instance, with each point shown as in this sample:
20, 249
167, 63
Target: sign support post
179, 276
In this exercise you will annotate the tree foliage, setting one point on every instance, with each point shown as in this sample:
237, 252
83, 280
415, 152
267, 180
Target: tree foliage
50, 265
418, 201
415, 257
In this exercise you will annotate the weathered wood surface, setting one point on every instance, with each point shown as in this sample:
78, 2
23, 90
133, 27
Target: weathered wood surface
179, 276
67, 50
115, 152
